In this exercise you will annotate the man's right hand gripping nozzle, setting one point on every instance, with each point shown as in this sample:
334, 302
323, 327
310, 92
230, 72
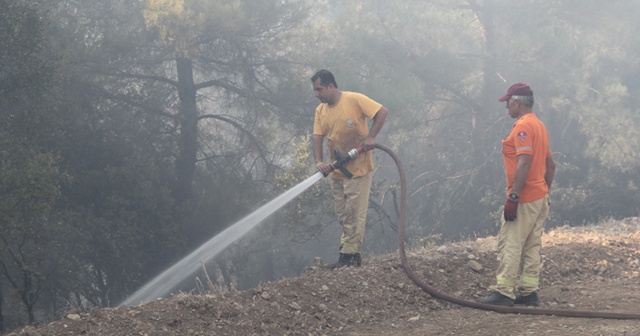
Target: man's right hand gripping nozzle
324, 168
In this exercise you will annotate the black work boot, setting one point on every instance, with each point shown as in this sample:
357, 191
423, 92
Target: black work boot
358, 259
527, 300
496, 299
346, 260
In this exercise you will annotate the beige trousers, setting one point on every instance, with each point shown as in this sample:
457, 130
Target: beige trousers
519, 244
351, 203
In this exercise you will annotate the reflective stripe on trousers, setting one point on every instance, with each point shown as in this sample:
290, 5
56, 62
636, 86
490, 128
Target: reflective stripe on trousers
519, 243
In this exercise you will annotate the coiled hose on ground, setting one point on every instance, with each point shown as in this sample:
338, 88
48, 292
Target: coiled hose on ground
472, 304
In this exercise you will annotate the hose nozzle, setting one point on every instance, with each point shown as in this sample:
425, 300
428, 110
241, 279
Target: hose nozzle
355, 152
342, 161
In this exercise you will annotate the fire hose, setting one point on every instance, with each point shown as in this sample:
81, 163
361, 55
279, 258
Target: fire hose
341, 161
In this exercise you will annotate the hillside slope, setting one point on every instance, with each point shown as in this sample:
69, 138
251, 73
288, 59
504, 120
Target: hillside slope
585, 268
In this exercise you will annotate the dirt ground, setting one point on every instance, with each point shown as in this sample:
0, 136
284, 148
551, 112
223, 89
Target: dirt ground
593, 268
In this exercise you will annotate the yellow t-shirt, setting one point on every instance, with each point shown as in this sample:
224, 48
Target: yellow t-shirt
528, 136
345, 127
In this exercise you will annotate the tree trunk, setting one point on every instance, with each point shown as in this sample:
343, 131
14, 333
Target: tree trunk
268, 273
1, 312
186, 161
486, 111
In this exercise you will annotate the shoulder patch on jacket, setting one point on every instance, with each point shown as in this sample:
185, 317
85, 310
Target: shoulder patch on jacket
522, 136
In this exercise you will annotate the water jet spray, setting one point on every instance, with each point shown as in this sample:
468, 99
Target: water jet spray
162, 284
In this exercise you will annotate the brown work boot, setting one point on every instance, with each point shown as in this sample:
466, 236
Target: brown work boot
496, 299
347, 260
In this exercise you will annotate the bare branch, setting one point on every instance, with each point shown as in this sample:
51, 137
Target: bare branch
257, 144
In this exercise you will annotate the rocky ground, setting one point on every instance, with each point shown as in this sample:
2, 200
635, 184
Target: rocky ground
593, 268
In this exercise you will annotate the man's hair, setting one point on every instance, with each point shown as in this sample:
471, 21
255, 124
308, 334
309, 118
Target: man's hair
527, 101
326, 78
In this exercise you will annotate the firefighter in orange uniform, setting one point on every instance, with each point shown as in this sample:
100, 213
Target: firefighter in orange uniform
529, 171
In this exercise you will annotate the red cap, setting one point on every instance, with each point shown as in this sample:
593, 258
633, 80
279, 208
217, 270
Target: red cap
517, 89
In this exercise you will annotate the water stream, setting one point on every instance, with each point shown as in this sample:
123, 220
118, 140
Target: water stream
161, 285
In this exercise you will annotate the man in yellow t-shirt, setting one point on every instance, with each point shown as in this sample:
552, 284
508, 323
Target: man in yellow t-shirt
529, 169
342, 118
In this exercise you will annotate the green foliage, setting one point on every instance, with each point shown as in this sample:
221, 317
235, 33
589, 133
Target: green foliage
425, 242
306, 216
118, 204
30, 176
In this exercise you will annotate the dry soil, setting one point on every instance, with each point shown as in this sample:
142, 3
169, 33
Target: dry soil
593, 268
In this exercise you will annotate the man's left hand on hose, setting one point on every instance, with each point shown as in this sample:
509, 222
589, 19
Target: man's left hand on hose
369, 143
510, 209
